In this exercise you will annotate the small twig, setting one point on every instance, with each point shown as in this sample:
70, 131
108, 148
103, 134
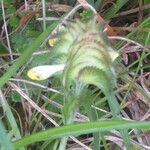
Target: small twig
127, 40
34, 54
132, 11
35, 84
131, 29
49, 19
26, 5
144, 86
102, 110
44, 14
32, 103
140, 14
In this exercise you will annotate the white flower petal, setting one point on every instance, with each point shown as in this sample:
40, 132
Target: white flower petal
44, 72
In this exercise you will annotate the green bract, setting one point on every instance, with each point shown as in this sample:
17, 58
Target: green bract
84, 46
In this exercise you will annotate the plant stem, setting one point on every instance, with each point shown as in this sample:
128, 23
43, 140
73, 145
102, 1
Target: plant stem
63, 143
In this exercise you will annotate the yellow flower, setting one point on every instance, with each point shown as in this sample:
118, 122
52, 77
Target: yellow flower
52, 41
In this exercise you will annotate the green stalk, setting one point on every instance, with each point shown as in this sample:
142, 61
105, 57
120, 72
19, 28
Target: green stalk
68, 115
113, 103
115, 108
63, 143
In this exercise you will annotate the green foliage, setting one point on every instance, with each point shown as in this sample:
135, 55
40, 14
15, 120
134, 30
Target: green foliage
26, 54
68, 110
86, 101
23, 39
15, 97
8, 2
80, 129
146, 2
10, 10
86, 13
14, 21
115, 8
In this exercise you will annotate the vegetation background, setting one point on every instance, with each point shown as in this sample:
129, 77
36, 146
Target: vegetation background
32, 111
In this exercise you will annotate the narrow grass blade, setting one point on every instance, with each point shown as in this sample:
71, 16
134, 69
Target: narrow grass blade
10, 117
79, 129
5, 143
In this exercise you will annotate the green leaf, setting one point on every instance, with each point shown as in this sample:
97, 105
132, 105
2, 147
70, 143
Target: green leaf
14, 22
115, 8
79, 129
11, 9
